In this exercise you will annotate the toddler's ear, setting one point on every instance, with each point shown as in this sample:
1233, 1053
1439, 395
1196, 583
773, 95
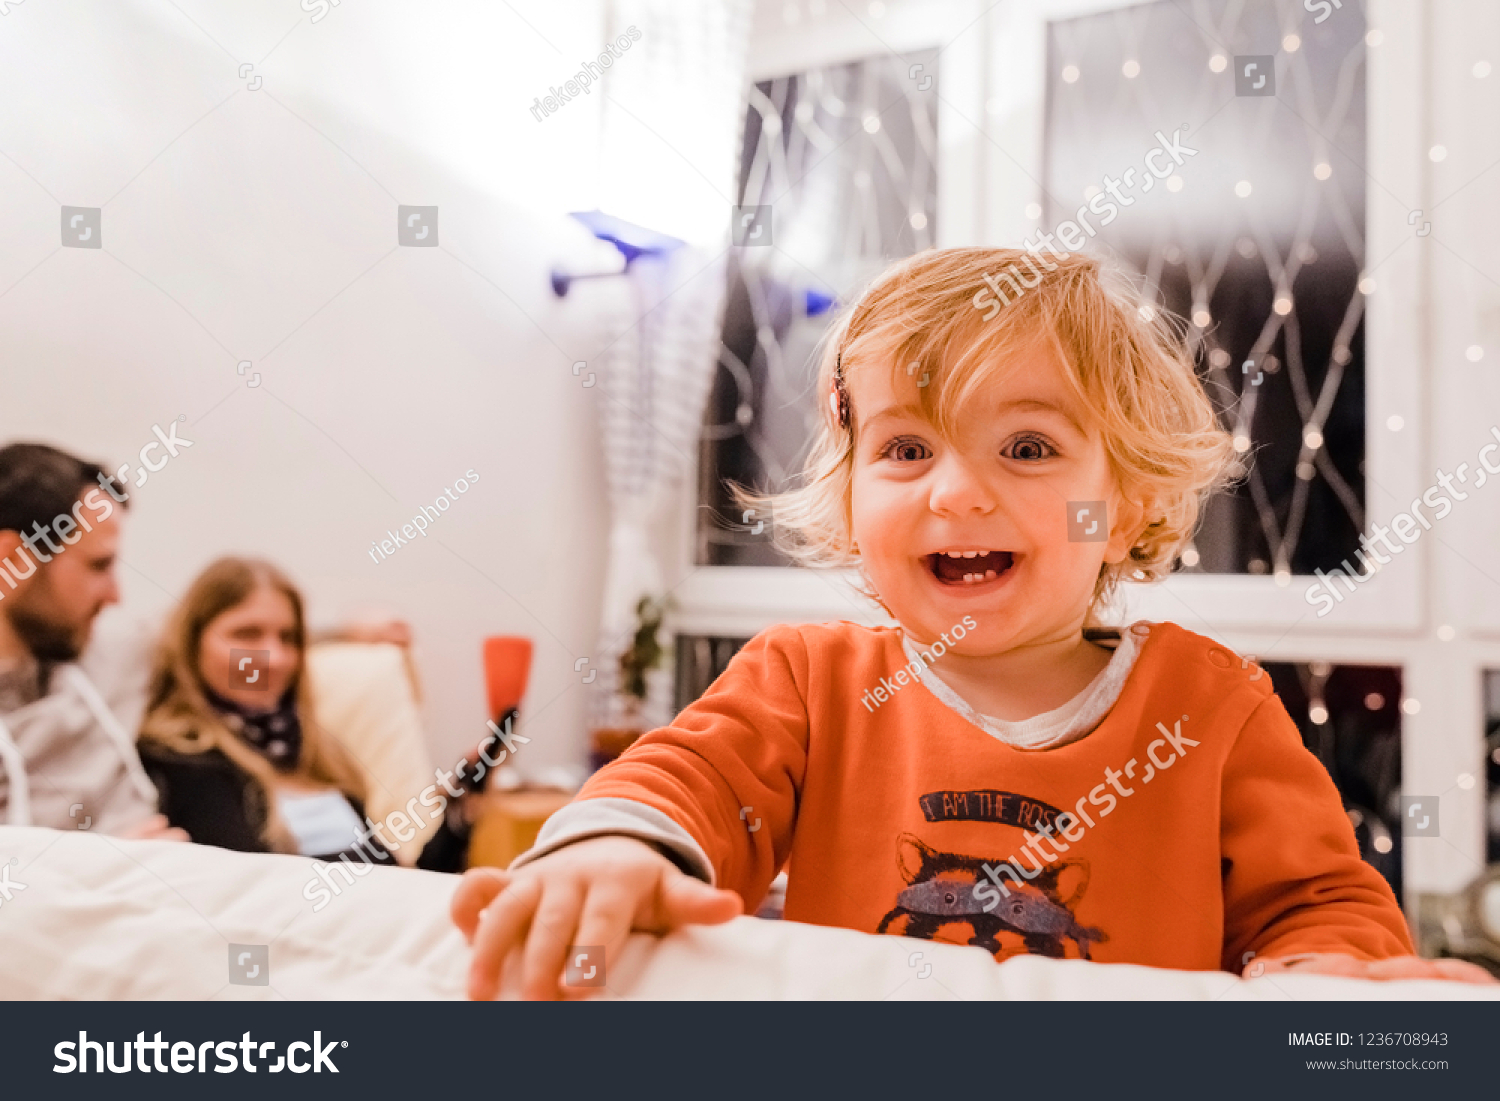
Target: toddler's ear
1129, 522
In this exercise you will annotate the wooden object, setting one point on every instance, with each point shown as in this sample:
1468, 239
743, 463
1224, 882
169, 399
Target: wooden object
508, 824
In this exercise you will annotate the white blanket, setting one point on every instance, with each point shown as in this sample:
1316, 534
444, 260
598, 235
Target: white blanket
84, 916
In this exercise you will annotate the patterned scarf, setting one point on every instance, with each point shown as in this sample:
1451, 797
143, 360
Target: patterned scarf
277, 734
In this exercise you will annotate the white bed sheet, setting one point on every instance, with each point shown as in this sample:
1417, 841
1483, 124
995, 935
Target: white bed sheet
93, 917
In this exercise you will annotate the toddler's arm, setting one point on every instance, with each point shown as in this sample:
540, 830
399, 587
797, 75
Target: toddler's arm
1296, 893
716, 791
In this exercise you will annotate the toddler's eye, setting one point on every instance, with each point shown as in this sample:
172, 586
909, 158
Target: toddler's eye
907, 451
1029, 449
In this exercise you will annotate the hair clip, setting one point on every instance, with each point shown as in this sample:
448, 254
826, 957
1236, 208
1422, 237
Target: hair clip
838, 398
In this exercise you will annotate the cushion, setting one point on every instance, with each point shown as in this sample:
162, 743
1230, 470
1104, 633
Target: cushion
91, 916
103, 918
364, 695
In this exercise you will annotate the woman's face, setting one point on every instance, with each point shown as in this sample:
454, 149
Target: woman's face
249, 652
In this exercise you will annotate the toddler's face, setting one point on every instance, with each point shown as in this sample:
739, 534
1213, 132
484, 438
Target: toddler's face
979, 525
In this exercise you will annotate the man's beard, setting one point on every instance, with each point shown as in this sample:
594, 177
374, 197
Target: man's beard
48, 640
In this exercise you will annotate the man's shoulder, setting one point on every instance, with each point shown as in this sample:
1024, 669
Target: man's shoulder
119, 639
118, 660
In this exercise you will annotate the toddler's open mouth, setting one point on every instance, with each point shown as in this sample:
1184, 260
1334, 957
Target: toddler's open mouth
968, 567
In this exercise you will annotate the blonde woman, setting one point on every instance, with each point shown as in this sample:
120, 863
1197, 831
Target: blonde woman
228, 742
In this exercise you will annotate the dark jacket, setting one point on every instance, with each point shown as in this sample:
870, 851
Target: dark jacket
218, 803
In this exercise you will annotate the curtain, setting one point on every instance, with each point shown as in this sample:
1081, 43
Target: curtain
669, 146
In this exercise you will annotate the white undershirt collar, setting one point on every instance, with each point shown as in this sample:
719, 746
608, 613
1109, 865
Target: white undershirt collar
1057, 727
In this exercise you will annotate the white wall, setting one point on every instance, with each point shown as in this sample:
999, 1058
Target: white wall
260, 225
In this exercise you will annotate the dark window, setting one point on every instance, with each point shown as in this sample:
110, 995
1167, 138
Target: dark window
1350, 718
845, 158
1259, 233
700, 660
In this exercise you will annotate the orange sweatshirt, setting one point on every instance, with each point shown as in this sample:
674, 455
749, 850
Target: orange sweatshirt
1190, 829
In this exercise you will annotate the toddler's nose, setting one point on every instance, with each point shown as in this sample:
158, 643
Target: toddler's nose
958, 489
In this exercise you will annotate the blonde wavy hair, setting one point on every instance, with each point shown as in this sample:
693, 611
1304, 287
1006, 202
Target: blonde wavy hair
180, 717
1125, 362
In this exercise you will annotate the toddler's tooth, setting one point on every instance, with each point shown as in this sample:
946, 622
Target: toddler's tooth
971, 554
989, 575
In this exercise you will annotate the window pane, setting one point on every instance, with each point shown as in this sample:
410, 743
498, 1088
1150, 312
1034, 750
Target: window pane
1350, 719
1249, 221
845, 159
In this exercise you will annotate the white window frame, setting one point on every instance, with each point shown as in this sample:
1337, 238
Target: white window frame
985, 181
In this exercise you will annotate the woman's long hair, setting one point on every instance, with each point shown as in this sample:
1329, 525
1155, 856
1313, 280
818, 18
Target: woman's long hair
180, 718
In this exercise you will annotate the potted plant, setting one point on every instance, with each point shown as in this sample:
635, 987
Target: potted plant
644, 654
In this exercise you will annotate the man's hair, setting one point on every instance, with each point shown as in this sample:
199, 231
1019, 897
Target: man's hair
1123, 358
38, 483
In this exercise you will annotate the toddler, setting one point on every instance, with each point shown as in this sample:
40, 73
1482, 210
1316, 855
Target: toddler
998, 770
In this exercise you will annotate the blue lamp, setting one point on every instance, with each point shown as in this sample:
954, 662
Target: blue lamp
815, 301
632, 240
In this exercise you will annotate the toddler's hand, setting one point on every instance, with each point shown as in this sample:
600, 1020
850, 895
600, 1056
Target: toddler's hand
1397, 967
591, 892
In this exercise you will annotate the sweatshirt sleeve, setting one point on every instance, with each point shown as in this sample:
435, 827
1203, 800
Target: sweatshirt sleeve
729, 768
1293, 878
